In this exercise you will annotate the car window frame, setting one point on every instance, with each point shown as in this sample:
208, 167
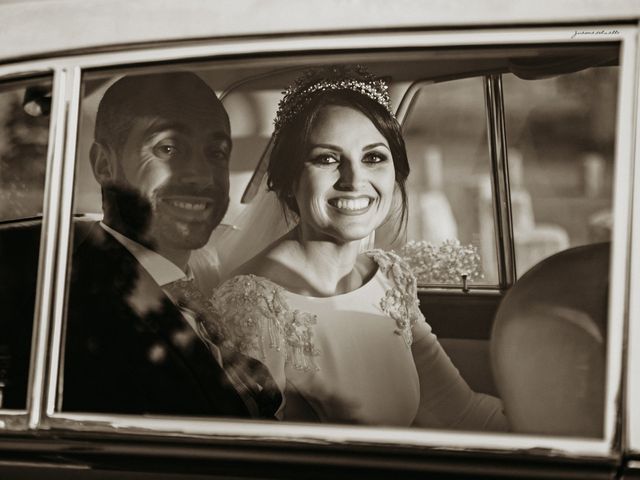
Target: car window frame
56, 236
497, 153
19, 419
631, 422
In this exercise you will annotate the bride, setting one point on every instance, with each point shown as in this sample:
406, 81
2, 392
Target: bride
340, 329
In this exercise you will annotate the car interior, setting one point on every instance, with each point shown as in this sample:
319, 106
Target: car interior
540, 318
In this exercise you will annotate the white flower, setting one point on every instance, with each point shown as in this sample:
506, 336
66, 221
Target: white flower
444, 264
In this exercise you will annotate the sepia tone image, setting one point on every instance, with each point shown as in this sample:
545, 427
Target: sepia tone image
391, 244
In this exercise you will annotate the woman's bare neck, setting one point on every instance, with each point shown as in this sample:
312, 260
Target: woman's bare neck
313, 268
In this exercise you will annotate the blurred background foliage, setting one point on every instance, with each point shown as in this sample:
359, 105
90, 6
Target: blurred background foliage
23, 152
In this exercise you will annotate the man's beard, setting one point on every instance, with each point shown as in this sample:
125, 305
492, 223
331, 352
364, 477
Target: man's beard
128, 212
140, 219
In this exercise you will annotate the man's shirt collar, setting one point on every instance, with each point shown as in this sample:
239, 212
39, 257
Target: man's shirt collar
162, 270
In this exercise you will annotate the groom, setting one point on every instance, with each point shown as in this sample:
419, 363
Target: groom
133, 343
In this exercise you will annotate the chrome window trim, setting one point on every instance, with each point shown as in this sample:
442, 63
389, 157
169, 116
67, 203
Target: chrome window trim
20, 420
66, 210
319, 434
328, 41
501, 196
13, 420
472, 290
620, 238
411, 94
632, 394
332, 434
48, 245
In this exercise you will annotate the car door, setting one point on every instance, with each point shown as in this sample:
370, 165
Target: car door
458, 308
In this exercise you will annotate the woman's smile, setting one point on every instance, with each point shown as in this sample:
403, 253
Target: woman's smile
351, 205
346, 186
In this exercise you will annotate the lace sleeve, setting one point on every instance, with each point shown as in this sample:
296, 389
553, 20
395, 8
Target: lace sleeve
401, 301
257, 321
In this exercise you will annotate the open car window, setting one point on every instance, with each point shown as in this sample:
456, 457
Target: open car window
508, 326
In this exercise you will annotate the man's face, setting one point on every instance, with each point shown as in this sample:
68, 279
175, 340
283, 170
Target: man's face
178, 160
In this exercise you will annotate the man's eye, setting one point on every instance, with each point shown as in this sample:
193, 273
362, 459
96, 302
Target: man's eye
374, 157
166, 151
217, 155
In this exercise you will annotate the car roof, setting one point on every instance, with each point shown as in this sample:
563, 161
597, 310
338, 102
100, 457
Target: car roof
36, 28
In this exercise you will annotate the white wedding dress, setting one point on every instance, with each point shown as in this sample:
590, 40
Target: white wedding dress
365, 357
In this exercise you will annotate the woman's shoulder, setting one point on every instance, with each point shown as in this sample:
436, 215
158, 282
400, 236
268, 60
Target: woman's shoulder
257, 317
394, 268
401, 300
247, 291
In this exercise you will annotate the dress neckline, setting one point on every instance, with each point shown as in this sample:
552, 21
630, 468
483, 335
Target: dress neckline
334, 297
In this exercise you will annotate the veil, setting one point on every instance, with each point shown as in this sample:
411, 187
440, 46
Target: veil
259, 224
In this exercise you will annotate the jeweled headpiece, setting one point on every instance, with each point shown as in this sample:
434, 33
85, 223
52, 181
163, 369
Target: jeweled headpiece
334, 78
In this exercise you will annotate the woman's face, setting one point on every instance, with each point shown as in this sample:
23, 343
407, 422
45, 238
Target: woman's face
347, 182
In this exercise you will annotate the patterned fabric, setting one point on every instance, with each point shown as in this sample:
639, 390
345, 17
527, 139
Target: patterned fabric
362, 357
250, 379
400, 302
256, 315
193, 303
255, 311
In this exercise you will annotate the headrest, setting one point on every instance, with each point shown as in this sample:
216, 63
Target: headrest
548, 346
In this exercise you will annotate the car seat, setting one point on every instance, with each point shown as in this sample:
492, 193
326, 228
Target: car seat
548, 345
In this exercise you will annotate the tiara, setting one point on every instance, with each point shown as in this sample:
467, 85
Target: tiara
338, 77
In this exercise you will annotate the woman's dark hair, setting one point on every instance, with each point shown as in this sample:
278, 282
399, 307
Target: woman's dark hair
292, 140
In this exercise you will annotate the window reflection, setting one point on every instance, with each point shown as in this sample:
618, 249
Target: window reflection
24, 131
133, 314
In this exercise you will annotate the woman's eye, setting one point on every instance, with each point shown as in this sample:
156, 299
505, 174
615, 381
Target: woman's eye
325, 160
374, 157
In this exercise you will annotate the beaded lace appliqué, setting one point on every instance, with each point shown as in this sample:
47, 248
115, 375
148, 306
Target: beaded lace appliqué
401, 301
257, 316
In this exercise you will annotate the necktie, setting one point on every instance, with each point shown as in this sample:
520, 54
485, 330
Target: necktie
249, 377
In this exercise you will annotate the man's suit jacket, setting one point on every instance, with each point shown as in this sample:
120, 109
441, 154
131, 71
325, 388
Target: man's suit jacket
19, 247
128, 348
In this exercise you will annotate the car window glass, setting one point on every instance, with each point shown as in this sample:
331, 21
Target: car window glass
451, 226
561, 133
130, 316
24, 132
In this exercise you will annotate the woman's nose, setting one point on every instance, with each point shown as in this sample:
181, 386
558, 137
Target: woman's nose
351, 174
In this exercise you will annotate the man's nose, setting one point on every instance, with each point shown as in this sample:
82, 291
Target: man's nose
196, 169
351, 175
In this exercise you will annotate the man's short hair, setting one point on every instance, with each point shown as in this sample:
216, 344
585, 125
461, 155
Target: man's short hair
134, 96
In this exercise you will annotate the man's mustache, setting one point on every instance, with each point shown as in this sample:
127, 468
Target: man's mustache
209, 191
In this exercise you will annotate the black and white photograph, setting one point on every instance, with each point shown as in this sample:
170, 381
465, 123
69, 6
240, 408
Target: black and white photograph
344, 239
